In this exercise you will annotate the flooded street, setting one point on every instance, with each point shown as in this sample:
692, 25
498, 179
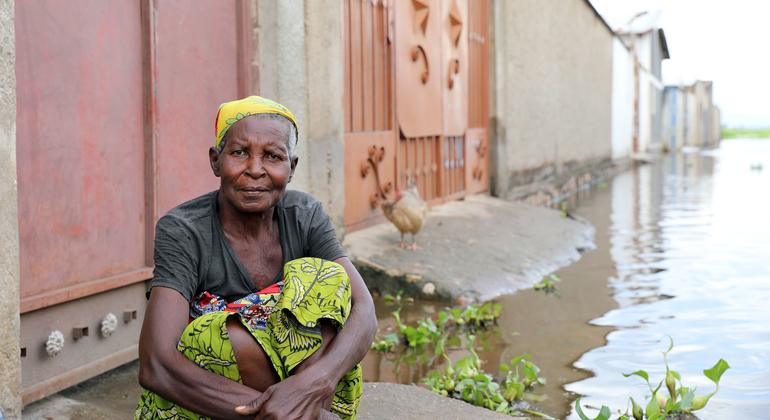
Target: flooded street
690, 241
682, 250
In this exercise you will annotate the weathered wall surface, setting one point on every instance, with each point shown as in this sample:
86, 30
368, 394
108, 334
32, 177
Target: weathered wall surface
649, 51
622, 100
670, 124
674, 116
645, 109
10, 365
716, 126
553, 63
301, 57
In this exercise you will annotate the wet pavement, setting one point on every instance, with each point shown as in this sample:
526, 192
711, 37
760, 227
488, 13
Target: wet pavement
474, 249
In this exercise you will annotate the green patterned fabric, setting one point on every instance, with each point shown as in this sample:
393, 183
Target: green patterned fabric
313, 289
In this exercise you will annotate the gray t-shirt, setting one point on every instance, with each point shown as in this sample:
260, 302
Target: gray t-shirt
192, 255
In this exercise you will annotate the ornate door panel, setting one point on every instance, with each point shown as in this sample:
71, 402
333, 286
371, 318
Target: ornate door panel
431, 95
425, 74
418, 67
454, 86
454, 64
476, 150
370, 137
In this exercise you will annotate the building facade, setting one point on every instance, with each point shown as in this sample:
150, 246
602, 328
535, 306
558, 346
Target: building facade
648, 43
690, 116
553, 93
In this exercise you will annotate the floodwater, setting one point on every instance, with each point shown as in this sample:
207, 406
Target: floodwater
683, 250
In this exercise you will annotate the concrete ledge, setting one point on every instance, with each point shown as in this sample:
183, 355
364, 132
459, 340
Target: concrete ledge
384, 401
470, 250
114, 396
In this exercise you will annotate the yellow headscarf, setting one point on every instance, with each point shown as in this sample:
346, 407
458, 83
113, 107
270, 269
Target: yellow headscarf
233, 111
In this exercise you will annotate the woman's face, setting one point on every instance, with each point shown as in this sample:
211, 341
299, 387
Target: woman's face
254, 166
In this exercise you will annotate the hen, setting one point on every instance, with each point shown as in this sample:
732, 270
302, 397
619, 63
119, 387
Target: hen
407, 213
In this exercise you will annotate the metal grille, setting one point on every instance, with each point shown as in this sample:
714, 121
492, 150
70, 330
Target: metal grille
417, 157
453, 179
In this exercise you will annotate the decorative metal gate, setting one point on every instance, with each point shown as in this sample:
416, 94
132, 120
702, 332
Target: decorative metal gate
415, 101
114, 116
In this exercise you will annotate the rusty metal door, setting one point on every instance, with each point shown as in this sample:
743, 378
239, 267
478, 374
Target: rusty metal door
115, 105
434, 79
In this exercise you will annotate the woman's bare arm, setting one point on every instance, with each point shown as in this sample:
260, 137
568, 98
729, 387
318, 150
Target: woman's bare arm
167, 372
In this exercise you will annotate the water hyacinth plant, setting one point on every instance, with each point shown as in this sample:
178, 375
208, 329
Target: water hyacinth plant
465, 380
681, 400
547, 284
427, 332
398, 299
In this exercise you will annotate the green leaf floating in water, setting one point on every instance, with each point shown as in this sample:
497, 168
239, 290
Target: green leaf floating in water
641, 373
716, 371
604, 412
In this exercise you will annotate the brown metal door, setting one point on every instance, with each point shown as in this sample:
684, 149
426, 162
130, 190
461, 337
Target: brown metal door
419, 90
369, 120
432, 76
115, 110
433, 96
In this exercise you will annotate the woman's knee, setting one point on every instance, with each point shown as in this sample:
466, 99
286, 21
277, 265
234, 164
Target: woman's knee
255, 367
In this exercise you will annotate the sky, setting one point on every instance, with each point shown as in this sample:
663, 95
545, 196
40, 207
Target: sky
726, 41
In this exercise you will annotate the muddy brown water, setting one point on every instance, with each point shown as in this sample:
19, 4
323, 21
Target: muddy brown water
683, 250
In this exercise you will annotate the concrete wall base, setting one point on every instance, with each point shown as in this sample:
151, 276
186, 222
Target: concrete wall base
549, 185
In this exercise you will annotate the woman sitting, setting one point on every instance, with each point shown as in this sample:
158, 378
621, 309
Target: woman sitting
254, 309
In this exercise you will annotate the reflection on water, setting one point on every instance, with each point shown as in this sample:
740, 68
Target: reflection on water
691, 243
683, 249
